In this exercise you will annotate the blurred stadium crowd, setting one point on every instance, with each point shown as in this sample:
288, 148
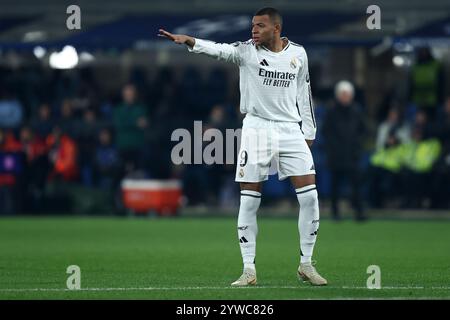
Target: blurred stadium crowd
61, 130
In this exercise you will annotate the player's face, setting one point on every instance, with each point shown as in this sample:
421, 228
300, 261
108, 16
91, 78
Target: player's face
263, 30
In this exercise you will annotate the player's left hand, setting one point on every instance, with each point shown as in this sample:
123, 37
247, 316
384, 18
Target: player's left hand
310, 143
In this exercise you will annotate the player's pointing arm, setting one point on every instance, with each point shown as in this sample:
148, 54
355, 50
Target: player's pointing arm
221, 51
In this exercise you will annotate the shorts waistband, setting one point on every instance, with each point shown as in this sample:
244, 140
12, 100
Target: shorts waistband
253, 116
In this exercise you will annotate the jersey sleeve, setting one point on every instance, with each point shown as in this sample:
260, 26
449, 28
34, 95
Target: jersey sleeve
304, 100
221, 51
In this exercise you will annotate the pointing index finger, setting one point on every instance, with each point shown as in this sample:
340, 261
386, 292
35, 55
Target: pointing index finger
164, 33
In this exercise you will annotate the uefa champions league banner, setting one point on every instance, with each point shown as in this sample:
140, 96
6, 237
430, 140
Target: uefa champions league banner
139, 32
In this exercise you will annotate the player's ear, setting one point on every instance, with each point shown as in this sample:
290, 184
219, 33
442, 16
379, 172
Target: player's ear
278, 28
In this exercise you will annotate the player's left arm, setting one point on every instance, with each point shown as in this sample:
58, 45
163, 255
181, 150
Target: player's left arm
305, 101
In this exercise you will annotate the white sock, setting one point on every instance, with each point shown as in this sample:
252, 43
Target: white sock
250, 266
247, 226
308, 220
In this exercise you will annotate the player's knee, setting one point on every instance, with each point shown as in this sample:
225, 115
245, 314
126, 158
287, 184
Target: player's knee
250, 201
308, 197
249, 204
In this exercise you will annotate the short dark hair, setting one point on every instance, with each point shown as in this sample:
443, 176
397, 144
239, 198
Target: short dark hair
273, 14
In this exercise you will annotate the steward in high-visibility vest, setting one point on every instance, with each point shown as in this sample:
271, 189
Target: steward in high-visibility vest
421, 156
416, 156
389, 159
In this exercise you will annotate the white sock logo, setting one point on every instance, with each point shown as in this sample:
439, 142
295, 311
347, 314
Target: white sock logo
374, 281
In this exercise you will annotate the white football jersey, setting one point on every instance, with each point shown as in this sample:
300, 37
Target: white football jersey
273, 85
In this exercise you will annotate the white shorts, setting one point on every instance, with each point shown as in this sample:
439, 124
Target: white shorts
268, 147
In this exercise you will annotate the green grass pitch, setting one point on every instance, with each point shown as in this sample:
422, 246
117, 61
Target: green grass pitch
194, 258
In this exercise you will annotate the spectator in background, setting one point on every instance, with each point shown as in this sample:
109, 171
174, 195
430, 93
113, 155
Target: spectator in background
107, 168
67, 120
404, 171
62, 155
216, 172
419, 157
42, 124
10, 170
8, 141
426, 83
106, 161
36, 169
33, 146
86, 135
344, 130
130, 122
222, 175
392, 126
217, 118
11, 112
384, 172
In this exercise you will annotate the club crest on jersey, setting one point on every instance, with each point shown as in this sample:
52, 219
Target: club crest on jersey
294, 63
241, 173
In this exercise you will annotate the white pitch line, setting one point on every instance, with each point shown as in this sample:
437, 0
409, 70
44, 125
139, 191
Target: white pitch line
387, 288
210, 288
